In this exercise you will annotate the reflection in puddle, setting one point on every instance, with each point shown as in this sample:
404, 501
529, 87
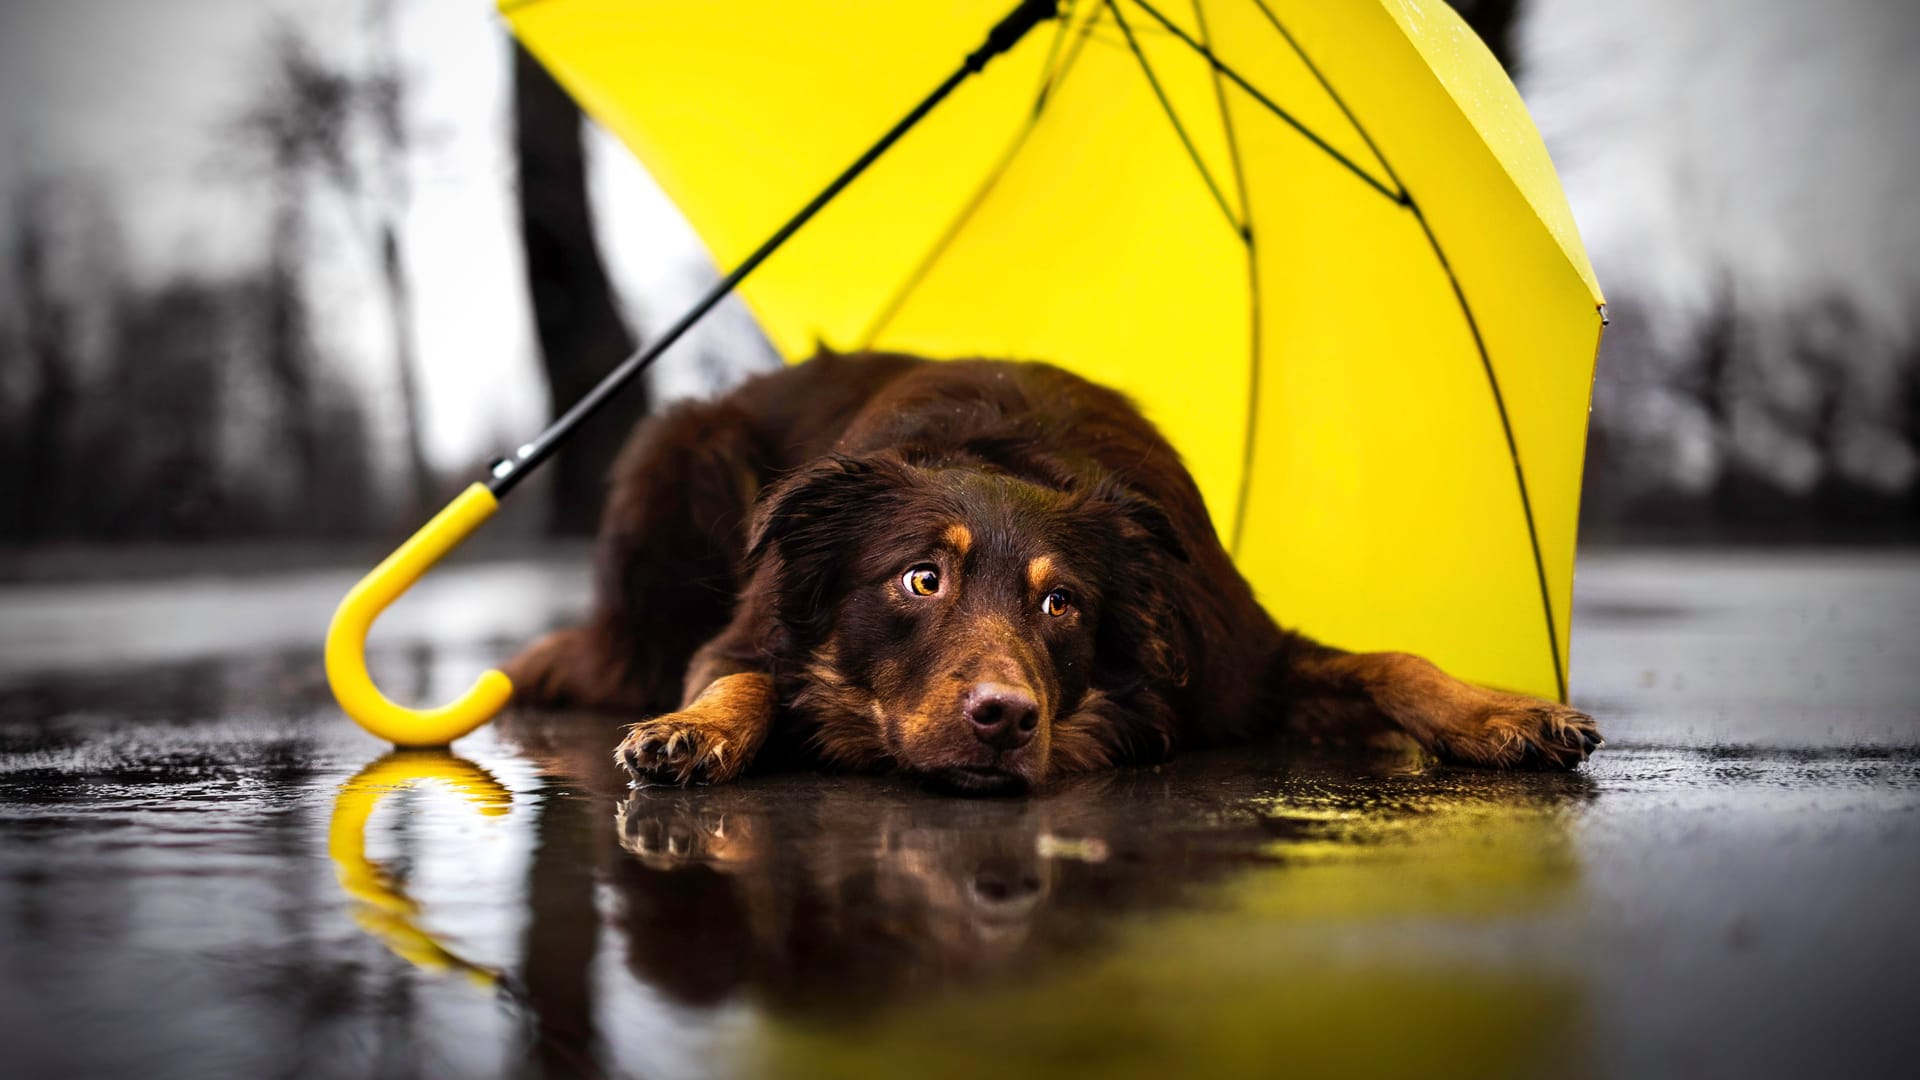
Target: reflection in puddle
381, 905
186, 884
1231, 937
1238, 913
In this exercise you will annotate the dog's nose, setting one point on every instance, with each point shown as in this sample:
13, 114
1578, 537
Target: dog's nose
1004, 717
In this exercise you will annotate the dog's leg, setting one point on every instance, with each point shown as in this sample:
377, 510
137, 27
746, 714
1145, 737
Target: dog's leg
666, 566
1329, 692
726, 709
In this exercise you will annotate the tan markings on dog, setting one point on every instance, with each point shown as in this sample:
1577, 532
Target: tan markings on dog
1038, 571
916, 725
711, 739
848, 720
959, 538
989, 629
996, 653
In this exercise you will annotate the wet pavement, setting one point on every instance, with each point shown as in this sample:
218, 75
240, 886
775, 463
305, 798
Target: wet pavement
205, 870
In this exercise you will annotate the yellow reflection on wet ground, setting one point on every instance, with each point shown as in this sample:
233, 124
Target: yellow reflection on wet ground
1330, 922
380, 903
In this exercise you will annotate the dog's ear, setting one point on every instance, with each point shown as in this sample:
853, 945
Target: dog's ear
806, 525
1132, 518
812, 506
1143, 519
1146, 634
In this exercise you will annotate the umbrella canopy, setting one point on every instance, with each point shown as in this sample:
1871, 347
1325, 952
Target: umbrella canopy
1318, 241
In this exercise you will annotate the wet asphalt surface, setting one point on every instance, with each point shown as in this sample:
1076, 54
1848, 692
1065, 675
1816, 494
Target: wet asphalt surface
205, 870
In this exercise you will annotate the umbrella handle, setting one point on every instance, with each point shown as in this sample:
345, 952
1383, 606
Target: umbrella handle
347, 637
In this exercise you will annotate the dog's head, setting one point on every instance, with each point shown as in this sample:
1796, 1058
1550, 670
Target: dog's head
965, 624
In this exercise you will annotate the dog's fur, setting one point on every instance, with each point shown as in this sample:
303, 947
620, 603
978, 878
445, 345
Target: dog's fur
980, 572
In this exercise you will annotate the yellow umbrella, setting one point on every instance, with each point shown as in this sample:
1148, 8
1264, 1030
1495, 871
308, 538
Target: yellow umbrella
1318, 241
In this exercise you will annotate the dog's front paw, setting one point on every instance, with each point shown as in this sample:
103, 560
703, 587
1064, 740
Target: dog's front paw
1509, 731
709, 741
678, 749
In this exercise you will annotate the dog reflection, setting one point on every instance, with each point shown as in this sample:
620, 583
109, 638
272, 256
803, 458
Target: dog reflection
857, 893
817, 895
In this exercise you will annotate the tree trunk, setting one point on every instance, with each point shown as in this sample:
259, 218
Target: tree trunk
288, 361
48, 333
420, 493
385, 90
562, 938
582, 336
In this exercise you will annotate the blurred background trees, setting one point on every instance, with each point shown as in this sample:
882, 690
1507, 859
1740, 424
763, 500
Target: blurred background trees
193, 407
379, 243
1742, 174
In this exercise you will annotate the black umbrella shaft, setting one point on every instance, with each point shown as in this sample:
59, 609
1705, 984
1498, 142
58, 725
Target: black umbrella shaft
508, 471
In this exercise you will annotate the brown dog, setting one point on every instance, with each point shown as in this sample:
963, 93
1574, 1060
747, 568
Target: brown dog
981, 572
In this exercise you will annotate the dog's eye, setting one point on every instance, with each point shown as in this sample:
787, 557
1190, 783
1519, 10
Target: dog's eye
921, 580
1056, 602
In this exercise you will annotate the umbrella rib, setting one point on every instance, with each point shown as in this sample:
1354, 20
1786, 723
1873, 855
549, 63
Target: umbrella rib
1050, 81
1254, 305
1166, 106
1050, 67
1398, 196
1473, 327
1338, 101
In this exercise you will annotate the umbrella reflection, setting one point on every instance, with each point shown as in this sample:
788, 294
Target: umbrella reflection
380, 903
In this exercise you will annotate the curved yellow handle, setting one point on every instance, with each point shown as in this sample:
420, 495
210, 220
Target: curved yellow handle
347, 637
381, 905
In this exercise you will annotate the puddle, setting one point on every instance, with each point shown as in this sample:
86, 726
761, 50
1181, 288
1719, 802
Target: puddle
204, 869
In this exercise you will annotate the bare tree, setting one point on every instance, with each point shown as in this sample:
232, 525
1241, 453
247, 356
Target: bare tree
299, 127
384, 93
582, 336
310, 121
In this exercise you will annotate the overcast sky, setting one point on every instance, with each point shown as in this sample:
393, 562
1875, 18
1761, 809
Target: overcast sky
132, 98
1772, 138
